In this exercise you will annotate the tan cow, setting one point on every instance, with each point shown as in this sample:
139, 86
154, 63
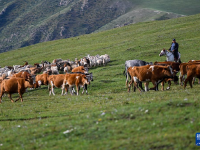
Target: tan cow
42, 79
55, 81
15, 85
71, 80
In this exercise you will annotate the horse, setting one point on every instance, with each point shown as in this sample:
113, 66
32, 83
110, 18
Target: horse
170, 55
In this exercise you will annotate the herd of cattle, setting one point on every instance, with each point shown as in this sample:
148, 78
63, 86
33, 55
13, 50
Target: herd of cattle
139, 71
67, 75
64, 74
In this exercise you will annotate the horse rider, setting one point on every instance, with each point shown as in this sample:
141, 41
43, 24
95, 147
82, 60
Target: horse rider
174, 49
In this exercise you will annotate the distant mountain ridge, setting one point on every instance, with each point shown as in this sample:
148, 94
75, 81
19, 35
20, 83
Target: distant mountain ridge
27, 22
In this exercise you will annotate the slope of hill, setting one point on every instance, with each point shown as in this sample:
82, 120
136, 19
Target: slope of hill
109, 117
26, 22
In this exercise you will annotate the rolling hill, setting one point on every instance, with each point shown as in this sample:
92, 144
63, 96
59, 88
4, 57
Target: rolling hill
26, 22
108, 117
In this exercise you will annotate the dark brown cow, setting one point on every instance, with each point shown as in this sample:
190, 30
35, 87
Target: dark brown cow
193, 70
175, 68
154, 74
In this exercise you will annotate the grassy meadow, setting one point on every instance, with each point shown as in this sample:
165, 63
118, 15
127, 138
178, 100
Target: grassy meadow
108, 117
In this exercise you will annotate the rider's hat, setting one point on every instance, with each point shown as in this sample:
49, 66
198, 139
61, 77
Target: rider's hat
174, 40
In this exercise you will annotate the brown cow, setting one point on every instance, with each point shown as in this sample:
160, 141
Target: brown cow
42, 79
15, 85
175, 68
22, 74
55, 81
154, 74
183, 71
194, 61
193, 70
77, 80
80, 69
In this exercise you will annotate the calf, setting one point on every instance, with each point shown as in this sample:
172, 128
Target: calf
15, 85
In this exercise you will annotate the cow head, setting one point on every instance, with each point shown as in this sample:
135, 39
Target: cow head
89, 76
167, 71
85, 80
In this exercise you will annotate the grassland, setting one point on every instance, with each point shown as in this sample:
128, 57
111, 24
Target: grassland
109, 117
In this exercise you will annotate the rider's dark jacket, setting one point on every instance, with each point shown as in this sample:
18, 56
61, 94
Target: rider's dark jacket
175, 52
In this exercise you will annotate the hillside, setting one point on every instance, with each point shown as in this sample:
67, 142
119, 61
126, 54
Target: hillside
108, 117
26, 22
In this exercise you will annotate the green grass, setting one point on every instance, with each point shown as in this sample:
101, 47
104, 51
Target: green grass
109, 117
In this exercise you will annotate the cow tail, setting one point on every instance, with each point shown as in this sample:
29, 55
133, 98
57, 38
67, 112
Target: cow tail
124, 73
129, 75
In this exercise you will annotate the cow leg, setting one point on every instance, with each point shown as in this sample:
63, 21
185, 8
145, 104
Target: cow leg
162, 84
190, 81
146, 85
129, 85
20, 95
64, 87
52, 88
1, 97
77, 89
53, 91
193, 80
85, 88
73, 90
169, 84
9, 95
180, 79
49, 91
126, 79
155, 86
140, 85
70, 90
